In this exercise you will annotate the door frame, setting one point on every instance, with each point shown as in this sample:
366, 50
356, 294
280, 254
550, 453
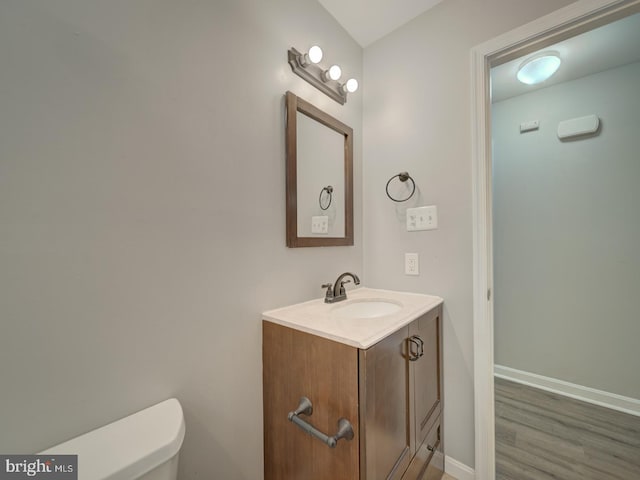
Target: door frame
569, 21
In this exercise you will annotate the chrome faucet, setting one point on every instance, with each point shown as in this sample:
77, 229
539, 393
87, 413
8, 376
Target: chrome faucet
337, 292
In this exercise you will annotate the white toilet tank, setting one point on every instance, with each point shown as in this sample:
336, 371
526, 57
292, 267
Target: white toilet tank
142, 446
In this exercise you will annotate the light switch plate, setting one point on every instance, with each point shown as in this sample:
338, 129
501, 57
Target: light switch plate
320, 225
411, 264
529, 126
422, 218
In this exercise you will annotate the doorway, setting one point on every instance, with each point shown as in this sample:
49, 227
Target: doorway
565, 232
566, 23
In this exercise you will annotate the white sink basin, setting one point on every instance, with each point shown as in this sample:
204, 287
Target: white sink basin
366, 308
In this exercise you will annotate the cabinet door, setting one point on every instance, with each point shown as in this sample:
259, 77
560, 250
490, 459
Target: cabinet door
297, 364
384, 390
425, 374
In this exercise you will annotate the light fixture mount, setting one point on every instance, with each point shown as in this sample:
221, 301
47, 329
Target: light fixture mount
315, 75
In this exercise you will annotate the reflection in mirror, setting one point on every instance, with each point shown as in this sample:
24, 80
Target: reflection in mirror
320, 164
319, 177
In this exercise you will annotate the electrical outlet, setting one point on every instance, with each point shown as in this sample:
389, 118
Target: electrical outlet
411, 264
422, 218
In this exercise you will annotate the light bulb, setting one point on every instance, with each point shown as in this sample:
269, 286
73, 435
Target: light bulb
335, 72
351, 85
315, 54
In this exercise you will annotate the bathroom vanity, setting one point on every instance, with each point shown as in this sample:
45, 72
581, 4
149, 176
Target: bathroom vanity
374, 360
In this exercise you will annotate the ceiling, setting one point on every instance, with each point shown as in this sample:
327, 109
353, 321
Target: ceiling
370, 20
609, 46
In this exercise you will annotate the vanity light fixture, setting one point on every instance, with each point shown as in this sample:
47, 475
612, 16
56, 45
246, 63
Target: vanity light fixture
306, 65
539, 68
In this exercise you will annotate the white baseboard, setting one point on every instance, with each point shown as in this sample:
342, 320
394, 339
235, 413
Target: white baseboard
458, 469
586, 394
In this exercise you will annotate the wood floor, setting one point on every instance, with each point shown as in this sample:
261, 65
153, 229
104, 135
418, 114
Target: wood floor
541, 436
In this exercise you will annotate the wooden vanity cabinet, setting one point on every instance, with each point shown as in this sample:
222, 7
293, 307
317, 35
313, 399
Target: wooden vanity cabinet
391, 393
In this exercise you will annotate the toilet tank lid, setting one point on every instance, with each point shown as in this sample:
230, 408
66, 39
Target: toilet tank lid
130, 447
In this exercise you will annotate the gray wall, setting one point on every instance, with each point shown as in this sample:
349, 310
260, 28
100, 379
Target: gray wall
417, 118
142, 190
566, 234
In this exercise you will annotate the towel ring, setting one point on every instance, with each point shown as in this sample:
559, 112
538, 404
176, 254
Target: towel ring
329, 190
403, 177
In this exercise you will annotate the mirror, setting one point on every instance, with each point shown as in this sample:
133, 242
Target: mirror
319, 177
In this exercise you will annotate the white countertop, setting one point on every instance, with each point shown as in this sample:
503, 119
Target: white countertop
322, 319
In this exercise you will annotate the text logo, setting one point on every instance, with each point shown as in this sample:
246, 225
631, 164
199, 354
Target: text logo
42, 467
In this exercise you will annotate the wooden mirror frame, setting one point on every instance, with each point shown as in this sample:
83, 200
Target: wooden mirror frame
295, 104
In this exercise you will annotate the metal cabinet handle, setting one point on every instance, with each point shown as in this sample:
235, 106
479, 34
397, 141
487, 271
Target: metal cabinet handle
421, 345
305, 407
434, 447
415, 341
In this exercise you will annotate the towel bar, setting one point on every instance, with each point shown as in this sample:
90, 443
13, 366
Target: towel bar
305, 407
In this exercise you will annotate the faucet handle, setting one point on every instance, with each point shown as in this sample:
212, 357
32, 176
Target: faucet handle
342, 289
328, 297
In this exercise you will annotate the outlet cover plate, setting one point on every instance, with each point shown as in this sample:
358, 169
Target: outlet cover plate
411, 264
422, 218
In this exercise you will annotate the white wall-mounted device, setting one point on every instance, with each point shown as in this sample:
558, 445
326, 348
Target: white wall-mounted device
529, 126
577, 127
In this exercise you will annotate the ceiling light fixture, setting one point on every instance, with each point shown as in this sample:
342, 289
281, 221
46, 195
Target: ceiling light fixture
305, 65
539, 68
